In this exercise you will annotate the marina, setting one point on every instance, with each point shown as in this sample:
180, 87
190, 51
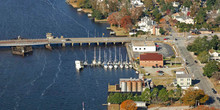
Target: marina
106, 63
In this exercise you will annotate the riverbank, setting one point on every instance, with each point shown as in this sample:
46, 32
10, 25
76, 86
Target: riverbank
74, 5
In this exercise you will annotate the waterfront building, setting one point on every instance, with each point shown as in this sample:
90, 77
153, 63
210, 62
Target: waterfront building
151, 59
143, 46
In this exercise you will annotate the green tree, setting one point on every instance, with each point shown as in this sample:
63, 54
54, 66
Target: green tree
145, 96
178, 92
162, 31
154, 94
214, 42
115, 98
210, 4
217, 20
163, 95
199, 45
97, 14
203, 57
149, 4
201, 16
210, 67
155, 12
187, 3
171, 95
81, 3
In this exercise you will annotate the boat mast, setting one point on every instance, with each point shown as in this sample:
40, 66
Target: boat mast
94, 53
115, 56
99, 54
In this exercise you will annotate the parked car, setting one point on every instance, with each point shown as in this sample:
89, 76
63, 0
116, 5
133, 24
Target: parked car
214, 91
160, 71
195, 61
160, 74
68, 39
165, 39
161, 66
153, 66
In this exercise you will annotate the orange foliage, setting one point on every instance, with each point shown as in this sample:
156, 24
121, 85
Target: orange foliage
128, 105
203, 107
112, 18
126, 22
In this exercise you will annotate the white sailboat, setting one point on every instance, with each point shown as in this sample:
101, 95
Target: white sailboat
115, 61
94, 60
126, 63
121, 63
105, 62
85, 62
110, 66
99, 61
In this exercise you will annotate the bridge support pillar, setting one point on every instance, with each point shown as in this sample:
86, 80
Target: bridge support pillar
89, 44
97, 43
48, 46
114, 43
106, 43
122, 42
63, 45
81, 44
72, 44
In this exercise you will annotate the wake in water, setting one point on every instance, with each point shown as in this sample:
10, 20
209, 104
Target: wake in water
42, 71
53, 6
56, 76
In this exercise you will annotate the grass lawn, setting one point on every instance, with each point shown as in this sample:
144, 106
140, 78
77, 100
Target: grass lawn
119, 31
161, 80
87, 10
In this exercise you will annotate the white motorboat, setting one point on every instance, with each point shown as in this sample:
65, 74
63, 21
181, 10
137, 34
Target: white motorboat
79, 65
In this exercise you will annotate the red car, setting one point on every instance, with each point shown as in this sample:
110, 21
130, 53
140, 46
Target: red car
165, 39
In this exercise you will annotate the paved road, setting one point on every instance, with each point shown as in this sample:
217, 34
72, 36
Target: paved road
197, 71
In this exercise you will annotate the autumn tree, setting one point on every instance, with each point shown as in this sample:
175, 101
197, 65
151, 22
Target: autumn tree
136, 13
191, 97
112, 18
128, 105
126, 22
113, 5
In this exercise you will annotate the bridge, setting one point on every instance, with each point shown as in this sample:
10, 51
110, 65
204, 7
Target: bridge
63, 41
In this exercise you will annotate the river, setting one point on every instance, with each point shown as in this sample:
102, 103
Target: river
47, 80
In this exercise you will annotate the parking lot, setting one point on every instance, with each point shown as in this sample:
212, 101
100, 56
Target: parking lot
163, 49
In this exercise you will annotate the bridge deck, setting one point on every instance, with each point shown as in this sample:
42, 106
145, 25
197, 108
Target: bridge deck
24, 42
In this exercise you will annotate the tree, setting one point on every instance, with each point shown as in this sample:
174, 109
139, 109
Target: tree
113, 5
171, 95
209, 4
214, 42
163, 95
112, 18
97, 14
115, 98
149, 4
203, 107
203, 57
154, 94
216, 76
187, 3
126, 22
145, 95
199, 45
191, 97
217, 20
136, 13
201, 16
193, 11
162, 31
128, 105
210, 67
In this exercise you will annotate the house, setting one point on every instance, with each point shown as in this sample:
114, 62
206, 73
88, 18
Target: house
146, 24
184, 19
137, 3
175, 4
143, 46
185, 10
151, 59
214, 55
184, 80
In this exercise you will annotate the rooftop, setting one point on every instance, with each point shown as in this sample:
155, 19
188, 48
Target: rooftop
183, 76
142, 43
151, 57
